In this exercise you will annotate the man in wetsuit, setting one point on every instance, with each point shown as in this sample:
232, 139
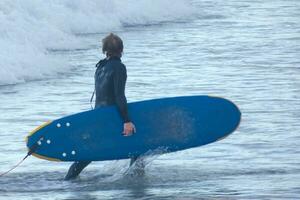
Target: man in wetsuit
110, 80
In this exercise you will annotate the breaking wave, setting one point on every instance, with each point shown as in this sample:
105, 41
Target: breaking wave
30, 29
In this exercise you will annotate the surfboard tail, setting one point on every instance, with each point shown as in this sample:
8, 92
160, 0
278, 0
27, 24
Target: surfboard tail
34, 140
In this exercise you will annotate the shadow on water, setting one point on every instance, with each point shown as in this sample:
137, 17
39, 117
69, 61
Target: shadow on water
101, 185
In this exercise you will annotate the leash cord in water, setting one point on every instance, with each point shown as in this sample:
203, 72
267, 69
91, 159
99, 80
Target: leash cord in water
31, 151
14, 167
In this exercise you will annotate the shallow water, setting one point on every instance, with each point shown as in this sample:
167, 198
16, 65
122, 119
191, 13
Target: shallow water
246, 51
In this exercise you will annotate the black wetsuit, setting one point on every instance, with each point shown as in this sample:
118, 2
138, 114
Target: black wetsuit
110, 80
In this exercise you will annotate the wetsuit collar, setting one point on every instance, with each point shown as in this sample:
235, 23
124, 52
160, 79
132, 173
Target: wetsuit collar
102, 62
114, 58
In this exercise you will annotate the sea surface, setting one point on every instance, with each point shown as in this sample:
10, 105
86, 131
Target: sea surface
245, 51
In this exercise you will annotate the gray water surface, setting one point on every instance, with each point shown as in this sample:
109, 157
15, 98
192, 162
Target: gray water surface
246, 51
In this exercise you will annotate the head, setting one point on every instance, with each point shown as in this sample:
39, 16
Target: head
112, 45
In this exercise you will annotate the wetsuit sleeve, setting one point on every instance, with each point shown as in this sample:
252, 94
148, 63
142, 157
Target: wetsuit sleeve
120, 76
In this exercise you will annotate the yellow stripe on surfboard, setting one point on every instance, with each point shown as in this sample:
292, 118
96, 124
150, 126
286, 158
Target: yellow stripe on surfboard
33, 132
38, 128
45, 157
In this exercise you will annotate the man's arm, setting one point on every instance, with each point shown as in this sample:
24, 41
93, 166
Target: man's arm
119, 79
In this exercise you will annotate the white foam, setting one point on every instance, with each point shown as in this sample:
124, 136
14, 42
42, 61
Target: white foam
28, 29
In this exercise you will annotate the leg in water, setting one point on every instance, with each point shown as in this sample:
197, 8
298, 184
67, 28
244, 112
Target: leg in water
76, 168
138, 166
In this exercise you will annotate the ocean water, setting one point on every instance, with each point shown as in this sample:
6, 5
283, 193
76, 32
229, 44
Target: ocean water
246, 51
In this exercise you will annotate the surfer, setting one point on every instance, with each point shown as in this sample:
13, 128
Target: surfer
110, 80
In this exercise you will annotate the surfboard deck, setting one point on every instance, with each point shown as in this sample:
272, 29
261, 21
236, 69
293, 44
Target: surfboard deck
175, 123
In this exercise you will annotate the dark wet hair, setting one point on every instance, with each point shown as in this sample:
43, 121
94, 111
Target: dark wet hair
112, 45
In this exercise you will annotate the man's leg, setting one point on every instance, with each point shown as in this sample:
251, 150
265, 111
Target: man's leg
132, 160
139, 168
76, 168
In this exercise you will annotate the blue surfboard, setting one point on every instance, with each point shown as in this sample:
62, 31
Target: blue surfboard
173, 124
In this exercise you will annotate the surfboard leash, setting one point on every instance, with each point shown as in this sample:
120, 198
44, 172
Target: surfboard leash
31, 151
91, 100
